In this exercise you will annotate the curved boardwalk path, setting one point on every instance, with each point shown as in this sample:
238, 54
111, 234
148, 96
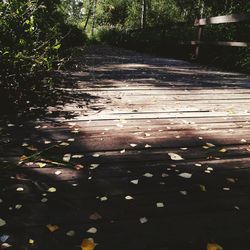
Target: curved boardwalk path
144, 153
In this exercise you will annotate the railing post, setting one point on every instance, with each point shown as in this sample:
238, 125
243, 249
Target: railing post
197, 46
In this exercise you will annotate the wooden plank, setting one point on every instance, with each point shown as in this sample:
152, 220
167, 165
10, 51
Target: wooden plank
234, 18
221, 43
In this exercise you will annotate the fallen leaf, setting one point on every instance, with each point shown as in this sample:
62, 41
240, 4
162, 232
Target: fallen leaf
185, 175
2, 222
214, 246
135, 181
77, 156
52, 228
128, 197
95, 216
43, 200
148, 175
203, 188
70, 233
18, 206
164, 175
5, 245
232, 180
160, 204
52, 190
92, 230
78, 166
41, 164
183, 192
223, 150
143, 220
184, 149
31, 241
197, 164
175, 157
66, 157
104, 198
210, 145
58, 172
23, 158
94, 166
32, 148
88, 244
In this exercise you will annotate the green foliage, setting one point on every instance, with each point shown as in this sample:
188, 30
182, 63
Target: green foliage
32, 34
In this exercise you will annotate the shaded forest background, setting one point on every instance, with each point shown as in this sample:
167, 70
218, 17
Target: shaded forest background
38, 37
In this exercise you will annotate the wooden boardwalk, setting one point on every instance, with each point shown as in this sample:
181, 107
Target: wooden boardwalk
145, 153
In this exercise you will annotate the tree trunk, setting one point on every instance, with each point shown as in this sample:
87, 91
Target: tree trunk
88, 15
202, 7
143, 13
94, 17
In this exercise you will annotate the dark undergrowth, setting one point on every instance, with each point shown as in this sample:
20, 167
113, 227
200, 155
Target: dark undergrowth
172, 41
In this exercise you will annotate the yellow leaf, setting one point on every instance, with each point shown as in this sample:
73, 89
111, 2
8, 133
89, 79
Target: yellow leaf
52, 228
31, 241
223, 150
41, 164
88, 244
213, 246
51, 190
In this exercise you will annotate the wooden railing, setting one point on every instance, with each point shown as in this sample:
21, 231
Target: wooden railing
201, 23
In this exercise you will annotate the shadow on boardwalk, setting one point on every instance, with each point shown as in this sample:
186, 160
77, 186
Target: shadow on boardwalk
161, 141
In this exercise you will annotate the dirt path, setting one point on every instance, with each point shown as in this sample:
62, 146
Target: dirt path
145, 153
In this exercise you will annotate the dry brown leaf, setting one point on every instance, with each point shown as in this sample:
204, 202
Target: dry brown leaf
223, 150
88, 244
95, 216
214, 246
52, 228
23, 158
232, 180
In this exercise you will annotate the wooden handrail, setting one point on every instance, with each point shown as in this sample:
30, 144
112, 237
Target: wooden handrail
234, 18
200, 23
221, 43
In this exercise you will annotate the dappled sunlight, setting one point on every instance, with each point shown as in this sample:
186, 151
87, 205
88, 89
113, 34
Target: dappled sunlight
130, 152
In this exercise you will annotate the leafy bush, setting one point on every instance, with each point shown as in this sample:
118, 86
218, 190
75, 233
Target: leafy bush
32, 32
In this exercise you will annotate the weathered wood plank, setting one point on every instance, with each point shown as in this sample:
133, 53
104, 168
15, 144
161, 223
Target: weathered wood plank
234, 18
